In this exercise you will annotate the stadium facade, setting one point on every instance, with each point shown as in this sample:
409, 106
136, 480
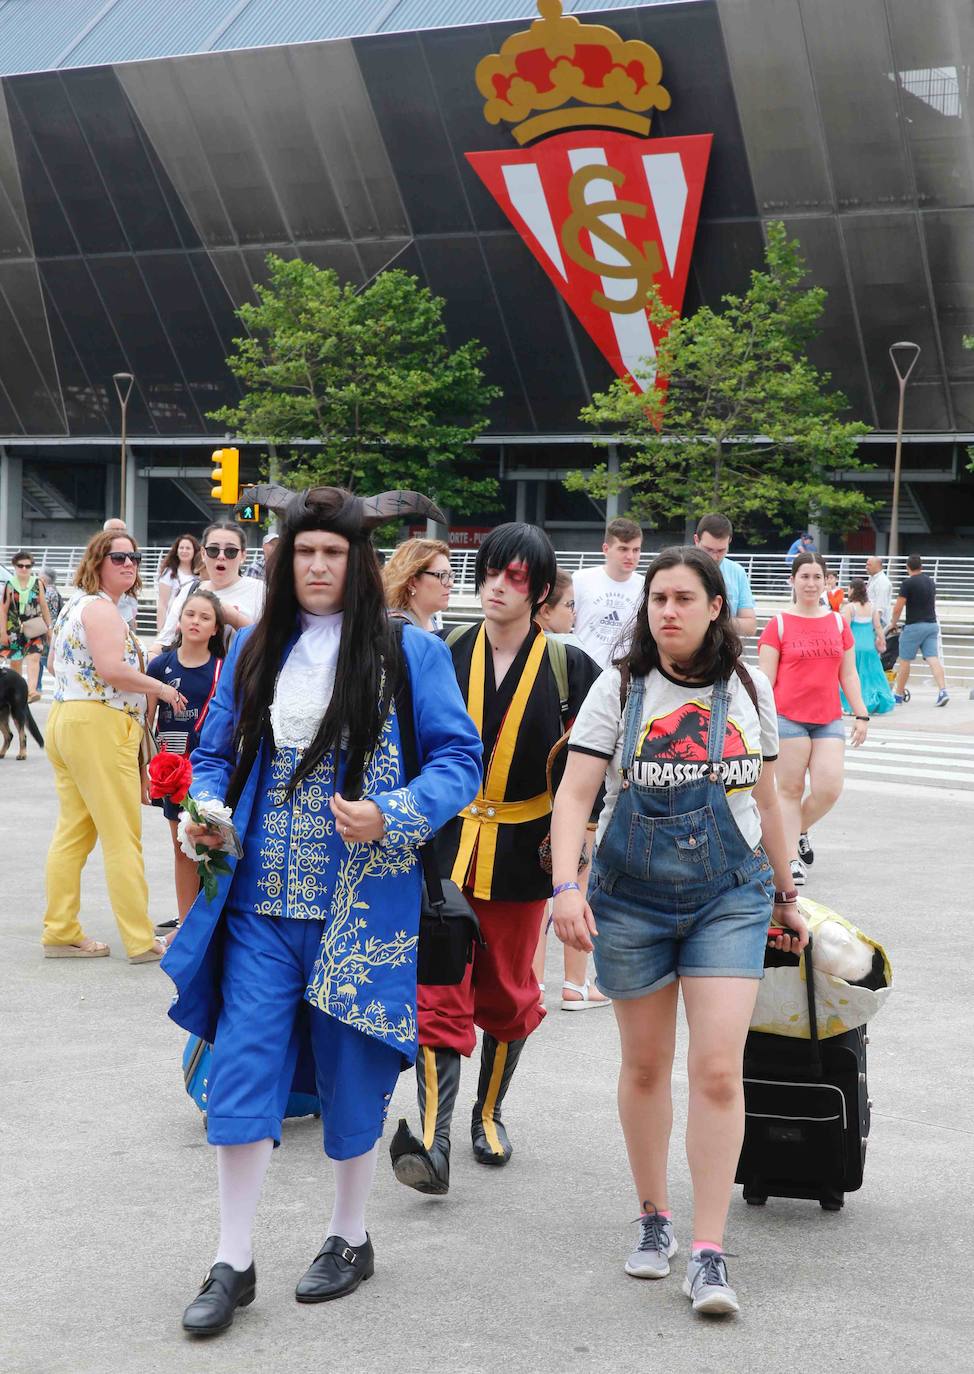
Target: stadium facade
149, 160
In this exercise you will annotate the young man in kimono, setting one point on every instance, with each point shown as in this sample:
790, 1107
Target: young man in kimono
491, 850
308, 949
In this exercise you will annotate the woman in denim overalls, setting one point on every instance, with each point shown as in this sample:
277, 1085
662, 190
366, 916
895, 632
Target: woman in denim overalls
682, 891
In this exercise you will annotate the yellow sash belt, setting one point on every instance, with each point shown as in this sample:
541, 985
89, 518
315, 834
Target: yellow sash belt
489, 810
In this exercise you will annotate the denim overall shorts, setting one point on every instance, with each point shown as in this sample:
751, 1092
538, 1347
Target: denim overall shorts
676, 890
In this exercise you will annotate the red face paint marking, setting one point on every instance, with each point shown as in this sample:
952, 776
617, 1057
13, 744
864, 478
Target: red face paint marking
515, 575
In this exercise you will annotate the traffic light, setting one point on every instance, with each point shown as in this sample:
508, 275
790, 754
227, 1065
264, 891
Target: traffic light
225, 476
249, 514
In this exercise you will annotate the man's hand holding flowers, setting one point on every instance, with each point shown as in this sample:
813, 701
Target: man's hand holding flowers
171, 775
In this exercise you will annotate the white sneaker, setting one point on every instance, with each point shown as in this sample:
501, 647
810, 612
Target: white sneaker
798, 872
706, 1284
657, 1246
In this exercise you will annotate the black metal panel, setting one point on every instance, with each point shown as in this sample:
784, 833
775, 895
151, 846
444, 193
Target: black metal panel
68, 162
892, 304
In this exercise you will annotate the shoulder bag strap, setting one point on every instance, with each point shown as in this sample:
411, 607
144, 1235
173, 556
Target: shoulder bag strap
411, 765
558, 658
748, 683
206, 704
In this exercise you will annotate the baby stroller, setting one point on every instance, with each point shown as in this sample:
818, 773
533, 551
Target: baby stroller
888, 660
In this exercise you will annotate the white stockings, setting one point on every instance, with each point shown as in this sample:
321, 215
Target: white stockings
241, 1170
353, 1183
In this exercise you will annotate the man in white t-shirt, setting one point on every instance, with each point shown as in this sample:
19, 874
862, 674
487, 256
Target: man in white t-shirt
714, 535
606, 598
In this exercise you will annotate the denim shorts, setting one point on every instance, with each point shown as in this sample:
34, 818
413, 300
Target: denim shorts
921, 638
806, 729
641, 947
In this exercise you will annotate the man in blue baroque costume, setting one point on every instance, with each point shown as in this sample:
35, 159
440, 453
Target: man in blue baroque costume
308, 950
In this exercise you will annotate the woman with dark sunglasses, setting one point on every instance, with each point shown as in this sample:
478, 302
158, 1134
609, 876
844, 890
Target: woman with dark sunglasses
224, 549
24, 607
93, 737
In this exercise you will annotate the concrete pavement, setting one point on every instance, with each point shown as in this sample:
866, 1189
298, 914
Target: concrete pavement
107, 1187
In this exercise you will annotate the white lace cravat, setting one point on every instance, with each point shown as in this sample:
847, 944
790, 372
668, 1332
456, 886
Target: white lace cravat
306, 682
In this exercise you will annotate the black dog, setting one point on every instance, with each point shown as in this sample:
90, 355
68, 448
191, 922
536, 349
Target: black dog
13, 702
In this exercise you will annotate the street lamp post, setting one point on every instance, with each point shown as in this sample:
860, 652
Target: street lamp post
123, 387
901, 355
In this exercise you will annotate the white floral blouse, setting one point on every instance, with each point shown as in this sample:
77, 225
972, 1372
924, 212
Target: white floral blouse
76, 678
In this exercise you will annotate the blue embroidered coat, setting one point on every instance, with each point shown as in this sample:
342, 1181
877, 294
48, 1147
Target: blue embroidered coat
369, 894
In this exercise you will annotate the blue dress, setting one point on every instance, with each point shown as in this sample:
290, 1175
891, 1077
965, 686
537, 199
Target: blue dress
876, 691
295, 863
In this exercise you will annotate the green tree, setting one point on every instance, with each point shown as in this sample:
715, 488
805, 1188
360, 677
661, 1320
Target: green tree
746, 424
368, 373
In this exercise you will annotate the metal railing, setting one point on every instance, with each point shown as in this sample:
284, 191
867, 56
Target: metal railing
767, 572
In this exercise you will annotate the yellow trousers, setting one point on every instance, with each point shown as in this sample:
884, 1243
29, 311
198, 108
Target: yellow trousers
94, 750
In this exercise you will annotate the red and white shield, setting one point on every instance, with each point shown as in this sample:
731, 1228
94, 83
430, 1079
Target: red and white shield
606, 214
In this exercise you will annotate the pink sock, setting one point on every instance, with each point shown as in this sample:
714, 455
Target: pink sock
663, 1212
699, 1245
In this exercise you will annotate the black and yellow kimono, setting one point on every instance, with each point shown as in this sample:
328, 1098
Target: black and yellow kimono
492, 847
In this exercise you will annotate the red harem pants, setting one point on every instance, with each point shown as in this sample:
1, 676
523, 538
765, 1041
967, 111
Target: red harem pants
499, 992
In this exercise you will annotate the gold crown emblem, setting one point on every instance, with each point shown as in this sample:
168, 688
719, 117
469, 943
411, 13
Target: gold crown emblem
572, 73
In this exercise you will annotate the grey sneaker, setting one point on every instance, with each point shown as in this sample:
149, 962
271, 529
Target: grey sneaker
657, 1245
805, 851
706, 1284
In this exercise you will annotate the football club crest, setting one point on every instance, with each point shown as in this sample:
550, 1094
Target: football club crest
606, 210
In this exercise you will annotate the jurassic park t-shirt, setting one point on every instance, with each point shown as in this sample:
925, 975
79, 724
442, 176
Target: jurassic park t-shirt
671, 745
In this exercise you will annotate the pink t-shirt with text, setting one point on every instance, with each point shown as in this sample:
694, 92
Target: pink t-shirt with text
807, 685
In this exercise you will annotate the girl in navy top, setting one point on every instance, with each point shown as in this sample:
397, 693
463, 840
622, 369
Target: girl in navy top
193, 665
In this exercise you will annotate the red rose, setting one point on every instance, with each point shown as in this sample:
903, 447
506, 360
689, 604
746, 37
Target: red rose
170, 775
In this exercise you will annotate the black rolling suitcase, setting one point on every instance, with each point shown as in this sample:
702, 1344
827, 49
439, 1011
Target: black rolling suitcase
806, 1111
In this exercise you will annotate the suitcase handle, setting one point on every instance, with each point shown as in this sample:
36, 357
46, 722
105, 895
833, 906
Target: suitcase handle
815, 1053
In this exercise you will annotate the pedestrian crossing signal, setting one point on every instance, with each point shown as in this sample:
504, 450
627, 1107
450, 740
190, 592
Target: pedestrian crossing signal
249, 514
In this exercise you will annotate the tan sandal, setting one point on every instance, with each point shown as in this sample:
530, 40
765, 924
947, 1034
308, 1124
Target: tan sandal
88, 949
158, 950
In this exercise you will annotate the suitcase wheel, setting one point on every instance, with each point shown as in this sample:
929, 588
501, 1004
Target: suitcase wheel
832, 1201
754, 1198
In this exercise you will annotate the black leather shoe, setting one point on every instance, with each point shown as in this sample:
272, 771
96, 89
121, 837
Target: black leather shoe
224, 1290
428, 1171
337, 1269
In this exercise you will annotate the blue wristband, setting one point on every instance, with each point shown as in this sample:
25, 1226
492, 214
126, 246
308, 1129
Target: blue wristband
566, 887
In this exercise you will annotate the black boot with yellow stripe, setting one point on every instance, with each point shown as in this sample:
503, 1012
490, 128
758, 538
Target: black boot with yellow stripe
425, 1164
497, 1064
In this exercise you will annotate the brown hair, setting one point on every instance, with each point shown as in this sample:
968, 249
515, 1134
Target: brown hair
858, 591
561, 584
407, 561
721, 647
217, 644
716, 525
171, 561
623, 529
800, 559
99, 547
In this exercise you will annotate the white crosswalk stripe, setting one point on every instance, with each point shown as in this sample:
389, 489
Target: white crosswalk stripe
922, 758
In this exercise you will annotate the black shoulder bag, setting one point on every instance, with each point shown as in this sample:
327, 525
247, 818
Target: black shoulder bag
448, 925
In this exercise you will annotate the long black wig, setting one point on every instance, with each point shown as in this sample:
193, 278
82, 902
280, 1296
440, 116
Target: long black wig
368, 658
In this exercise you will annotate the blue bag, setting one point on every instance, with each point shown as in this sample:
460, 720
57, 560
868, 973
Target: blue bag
196, 1075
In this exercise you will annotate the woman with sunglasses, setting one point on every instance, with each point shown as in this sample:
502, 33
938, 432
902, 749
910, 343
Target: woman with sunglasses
93, 737
224, 549
418, 581
24, 607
